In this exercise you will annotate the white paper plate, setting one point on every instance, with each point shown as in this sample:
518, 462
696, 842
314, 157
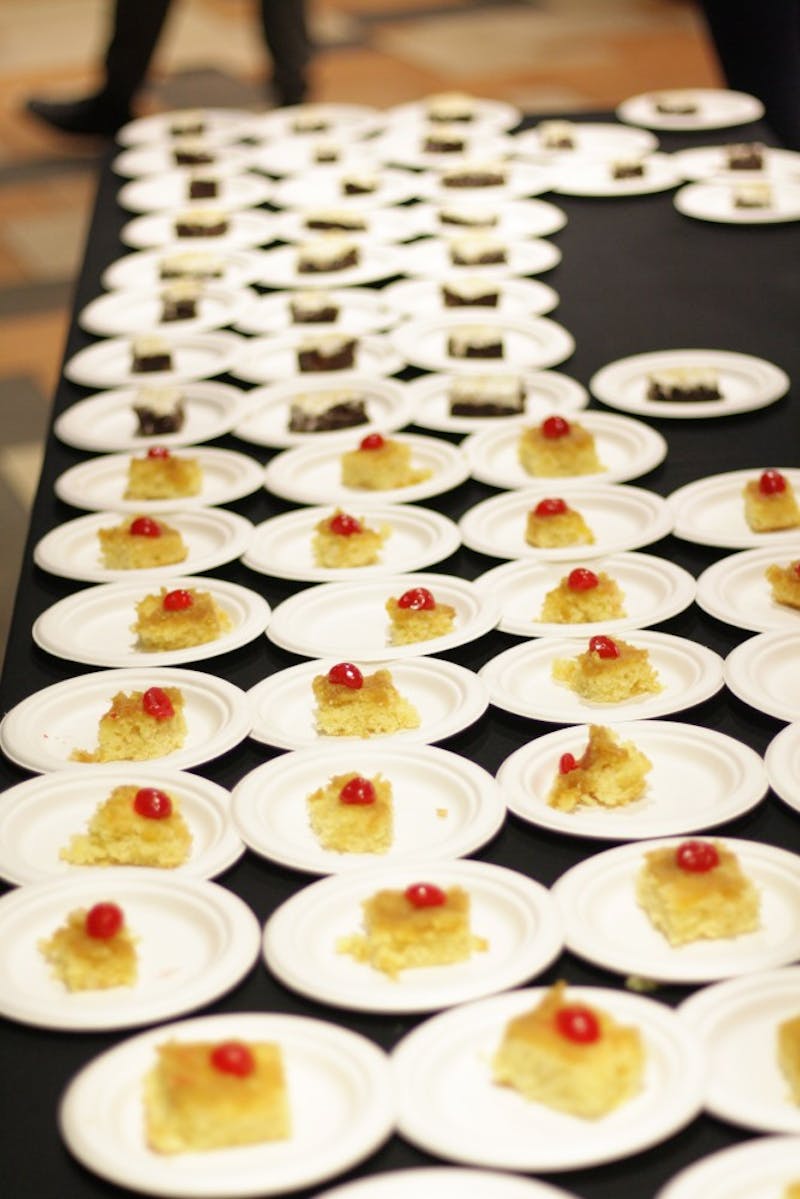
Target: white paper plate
246, 229
157, 158
40, 816
782, 761
350, 619
213, 536
388, 403
487, 114
759, 1169
515, 218
592, 140
127, 312
626, 448
218, 123
515, 915
311, 474
546, 392
360, 311
447, 697
714, 201
703, 162
711, 512
106, 422
450, 1106
271, 357
654, 589
278, 268
296, 154
529, 342
164, 193
446, 1182
763, 672
445, 806
519, 298
430, 259
346, 121
523, 179
718, 108
281, 546
746, 382
339, 1096
520, 680
605, 925
381, 225
737, 1021
41, 732
98, 484
736, 590
94, 625
404, 146
194, 356
141, 269
195, 941
322, 188
583, 177
621, 518
700, 779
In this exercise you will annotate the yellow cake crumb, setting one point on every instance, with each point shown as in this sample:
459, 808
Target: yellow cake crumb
770, 503
163, 477
160, 626
570, 603
375, 708
419, 619
352, 827
608, 680
381, 467
785, 583
123, 547
609, 773
342, 541
118, 836
789, 1054
552, 455
87, 963
128, 731
562, 526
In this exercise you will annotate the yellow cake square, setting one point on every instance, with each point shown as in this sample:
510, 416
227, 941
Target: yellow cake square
417, 616
690, 904
160, 475
371, 708
84, 959
789, 1054
770, 503
178, 619
552, 523
141, 541
583, 596
575, 1058
608, 672
558, 447
191, 1105
129, 828
342, 540
380, 464
138, 726
401, 933
353, 814
785, 583
609, 773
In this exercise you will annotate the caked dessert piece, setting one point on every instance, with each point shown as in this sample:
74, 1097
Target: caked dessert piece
444, 139
417, 616
609, 671
470, 292
697, 891
552, 523
323, 411
752, 195
138, 726
327, 352
477, 249
785, 583
558, 447
770, 503
158, 410
353, 814
789, 1054
352, 704
686, 384
188, 123
201, 222
359, 183
475, 174
204, 1095
557, 135
326, 151
475, 341
310, 121
313, 308
450, 106
336, 220
203, 187
380, 464
608, 774
329, 253
583, 596
179, 300
191, 264
486, 395
141, 541
162, 475
628, 168
192, 152
745, 156
93, 950
469, 218
133, 826
150, 352
570, 1056
342, 540
178, 619
681, 104
424, 925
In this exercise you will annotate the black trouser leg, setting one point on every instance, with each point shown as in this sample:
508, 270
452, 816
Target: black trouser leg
286, 36
136, 28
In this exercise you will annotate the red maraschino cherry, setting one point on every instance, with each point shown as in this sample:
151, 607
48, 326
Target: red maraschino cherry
566, 763
425, 895
158, 451
104, 921
344, 524
357, 791
372, 441
232, 1057
581, 579
345, 674
418, 599
696, 857
157, 703
771, 482
603, 646
178, 600
554, 427
550, 507
578, 1024
145, 526
152, 803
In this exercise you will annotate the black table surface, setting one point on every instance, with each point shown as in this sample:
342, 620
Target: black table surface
635, 276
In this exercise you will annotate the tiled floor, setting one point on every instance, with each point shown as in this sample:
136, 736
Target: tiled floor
543, 55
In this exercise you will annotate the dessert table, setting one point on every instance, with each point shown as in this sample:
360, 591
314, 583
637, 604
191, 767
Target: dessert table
635, 276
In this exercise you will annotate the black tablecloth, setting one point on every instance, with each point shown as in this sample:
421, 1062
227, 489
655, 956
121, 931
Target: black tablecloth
635, 276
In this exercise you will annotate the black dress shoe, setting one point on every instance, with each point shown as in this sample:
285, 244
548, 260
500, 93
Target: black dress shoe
90, 117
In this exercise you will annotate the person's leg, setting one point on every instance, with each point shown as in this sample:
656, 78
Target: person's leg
135, 30
286, 36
